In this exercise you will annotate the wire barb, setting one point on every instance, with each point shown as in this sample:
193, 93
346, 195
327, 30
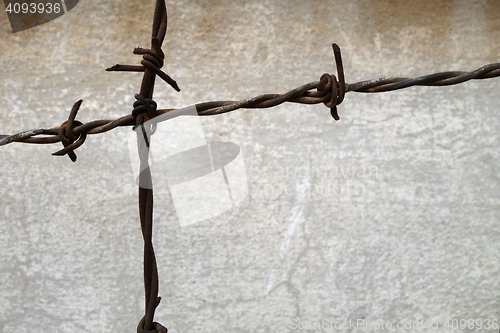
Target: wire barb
67, 136
152, 59
144, 105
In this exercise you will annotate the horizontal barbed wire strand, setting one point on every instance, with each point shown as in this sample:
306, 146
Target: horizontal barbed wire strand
302, 95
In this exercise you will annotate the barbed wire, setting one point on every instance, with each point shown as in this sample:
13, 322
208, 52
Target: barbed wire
328, 90
311, 93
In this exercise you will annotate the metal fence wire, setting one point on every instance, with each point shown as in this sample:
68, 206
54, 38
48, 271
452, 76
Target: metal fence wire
328, 90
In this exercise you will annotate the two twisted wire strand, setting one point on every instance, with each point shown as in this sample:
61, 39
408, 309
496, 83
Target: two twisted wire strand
152, 61
304, 94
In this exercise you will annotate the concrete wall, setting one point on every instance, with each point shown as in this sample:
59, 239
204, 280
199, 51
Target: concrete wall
390, 214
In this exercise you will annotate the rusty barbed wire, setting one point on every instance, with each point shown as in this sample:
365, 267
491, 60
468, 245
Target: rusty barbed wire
328, 90
144, 109
304, 94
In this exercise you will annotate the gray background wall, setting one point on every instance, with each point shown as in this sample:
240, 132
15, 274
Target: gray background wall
390, 214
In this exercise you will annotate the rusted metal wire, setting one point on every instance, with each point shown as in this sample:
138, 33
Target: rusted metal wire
310, 93
328, 90
152, 62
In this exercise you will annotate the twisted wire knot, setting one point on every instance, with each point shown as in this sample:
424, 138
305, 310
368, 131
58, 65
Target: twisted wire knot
145, 105
68, 138
142, 105
329, 83
152, 59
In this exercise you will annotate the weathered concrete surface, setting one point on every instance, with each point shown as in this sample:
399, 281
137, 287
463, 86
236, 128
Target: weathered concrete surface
389, 215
